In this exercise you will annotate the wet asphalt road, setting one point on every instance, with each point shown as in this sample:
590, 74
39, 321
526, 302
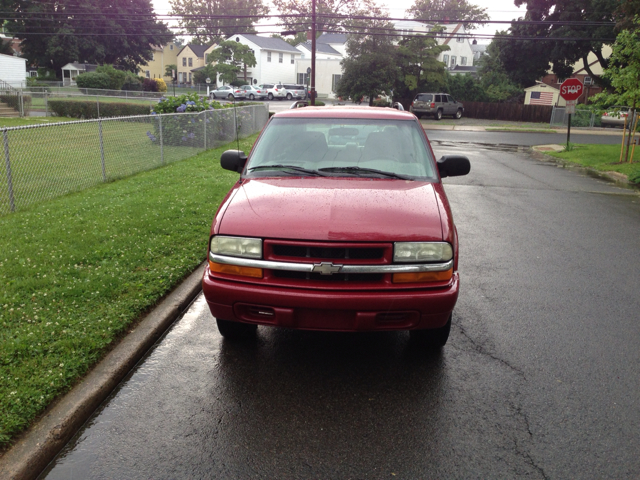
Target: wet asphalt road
540, 377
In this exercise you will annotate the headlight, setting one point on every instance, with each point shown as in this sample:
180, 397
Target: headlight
237, 246
422, 252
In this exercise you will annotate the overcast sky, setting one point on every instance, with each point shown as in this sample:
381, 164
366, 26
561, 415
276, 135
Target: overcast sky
497, 10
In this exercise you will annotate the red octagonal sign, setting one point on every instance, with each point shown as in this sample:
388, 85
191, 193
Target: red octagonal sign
571, 89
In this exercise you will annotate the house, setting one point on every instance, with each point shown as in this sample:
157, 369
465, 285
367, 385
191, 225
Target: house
330, 51
275, 59
161, 57
580, 72
191, 56
71, 70
13, 71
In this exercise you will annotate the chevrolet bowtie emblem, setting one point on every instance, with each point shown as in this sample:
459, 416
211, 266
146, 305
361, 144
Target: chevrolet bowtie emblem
326, 268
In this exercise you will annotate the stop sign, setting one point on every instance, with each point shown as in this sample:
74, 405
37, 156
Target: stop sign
571, 89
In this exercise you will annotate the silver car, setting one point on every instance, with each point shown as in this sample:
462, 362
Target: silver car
295, 91
437, 105
252, 92
227, 91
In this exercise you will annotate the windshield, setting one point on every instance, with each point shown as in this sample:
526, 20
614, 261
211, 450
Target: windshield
332, 146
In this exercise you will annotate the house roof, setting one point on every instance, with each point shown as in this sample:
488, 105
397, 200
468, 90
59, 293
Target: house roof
476, 47
85, 67
197, 49
268, 43
321, 48
332, 38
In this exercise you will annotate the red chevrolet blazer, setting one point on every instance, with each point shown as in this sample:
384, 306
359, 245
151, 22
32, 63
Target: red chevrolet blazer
339, 222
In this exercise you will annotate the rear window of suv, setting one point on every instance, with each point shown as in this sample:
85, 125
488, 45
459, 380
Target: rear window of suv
424, 97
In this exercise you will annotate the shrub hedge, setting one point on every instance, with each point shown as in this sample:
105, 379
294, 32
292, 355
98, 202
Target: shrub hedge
87, 109
94, 80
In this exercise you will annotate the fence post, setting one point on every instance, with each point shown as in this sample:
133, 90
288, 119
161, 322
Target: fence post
98, 105
205, 129
12, 204
46, 104
161, 142
21, 104
104, 170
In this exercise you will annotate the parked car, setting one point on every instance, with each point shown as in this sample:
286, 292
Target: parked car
274, 90
615, 116
227, 91
436, 105
299, 92
339, 222
252, 92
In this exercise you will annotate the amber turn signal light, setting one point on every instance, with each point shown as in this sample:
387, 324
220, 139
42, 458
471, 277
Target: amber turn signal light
235, 270
422, 277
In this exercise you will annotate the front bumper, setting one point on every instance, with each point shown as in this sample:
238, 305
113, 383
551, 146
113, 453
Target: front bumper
332, 310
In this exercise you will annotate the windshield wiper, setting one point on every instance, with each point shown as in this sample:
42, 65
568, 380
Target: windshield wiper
288, 167
359, 171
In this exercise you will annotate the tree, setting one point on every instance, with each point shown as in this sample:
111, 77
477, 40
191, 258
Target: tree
494, 81
57, 32
370, 66
208, 71
210, 21
526, 60
231, 58
418, 66
443, 11
330, 14
169, 69
624, 72
297, 39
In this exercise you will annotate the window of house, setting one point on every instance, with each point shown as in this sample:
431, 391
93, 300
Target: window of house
588, 81
268, 56
335, 80
463, 60
280, 57
189, 77
153, 56
179, 77
292, 59
460, 39
171, 47
303, 78
190, 62
147, 74
453, 61
445, 59
184, 61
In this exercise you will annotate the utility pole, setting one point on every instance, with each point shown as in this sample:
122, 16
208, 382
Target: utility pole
313, 52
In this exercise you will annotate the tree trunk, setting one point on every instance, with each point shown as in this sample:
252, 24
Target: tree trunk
371, 99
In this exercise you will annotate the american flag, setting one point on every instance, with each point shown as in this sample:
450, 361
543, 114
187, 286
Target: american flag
541, 98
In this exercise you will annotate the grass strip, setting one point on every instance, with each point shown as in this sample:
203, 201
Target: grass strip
21, 122
604, 158
77, 271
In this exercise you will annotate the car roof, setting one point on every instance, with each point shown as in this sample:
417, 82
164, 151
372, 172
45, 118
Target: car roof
373, 113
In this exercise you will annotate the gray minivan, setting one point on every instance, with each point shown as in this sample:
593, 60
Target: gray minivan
437, 105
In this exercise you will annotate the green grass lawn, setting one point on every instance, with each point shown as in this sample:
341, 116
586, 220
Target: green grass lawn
52, 161
20, 122
603, 158
75, 272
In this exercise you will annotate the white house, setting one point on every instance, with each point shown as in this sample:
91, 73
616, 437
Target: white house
13, 71
275, 59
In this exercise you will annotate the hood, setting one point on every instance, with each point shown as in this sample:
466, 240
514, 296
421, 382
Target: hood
335, 209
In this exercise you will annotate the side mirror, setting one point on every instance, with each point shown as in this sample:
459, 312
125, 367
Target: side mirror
453, 165
233, 160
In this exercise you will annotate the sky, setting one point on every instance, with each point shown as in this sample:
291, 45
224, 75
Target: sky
497, 10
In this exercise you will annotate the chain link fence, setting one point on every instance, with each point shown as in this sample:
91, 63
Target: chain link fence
582, 118
42, 162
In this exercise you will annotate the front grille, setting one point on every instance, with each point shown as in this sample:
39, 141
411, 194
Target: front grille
338, 253
338, 277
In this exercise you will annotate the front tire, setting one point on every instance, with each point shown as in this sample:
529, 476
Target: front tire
458, 115
252, 97
289, 96
213, 95
236, 330
439, 115
432, 337
270, 96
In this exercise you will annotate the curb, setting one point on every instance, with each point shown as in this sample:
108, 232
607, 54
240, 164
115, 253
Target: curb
46, 438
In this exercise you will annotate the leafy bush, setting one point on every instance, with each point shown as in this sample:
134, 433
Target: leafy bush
634, 178
86, 109
162, 87
380, 102
134, 86
94, 80
117, 78
149, 85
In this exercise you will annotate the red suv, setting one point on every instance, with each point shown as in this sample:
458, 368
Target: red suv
339, 222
